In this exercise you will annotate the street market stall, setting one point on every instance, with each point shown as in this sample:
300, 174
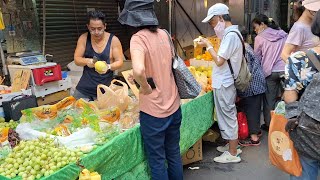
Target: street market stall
123, 157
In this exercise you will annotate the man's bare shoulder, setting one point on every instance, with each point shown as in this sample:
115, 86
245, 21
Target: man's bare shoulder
83, 37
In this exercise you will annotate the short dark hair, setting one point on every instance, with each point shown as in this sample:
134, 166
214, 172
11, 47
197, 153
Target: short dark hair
299, 9
226, 17
96, 15
151, 28
315, 27
244, 34
261, 18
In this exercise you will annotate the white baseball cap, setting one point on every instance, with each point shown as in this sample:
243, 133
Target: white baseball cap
217, 9
312, 5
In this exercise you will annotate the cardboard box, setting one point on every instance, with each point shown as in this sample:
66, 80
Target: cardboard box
52, 98
189, 51
197, 63
194, 154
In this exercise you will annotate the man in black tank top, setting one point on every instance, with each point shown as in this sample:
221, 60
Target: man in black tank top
96, 45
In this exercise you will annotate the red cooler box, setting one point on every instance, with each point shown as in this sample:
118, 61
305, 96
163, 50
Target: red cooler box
41, 73
47, 74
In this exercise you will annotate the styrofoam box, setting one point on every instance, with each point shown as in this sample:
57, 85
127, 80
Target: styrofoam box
1, 112
197, 63
75, 78
51, 87
8, 97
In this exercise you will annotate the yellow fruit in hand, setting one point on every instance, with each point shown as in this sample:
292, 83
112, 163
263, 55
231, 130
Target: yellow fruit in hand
199, 57
100, 66
209, 73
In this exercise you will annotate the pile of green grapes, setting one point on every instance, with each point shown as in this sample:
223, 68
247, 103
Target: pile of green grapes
37, 158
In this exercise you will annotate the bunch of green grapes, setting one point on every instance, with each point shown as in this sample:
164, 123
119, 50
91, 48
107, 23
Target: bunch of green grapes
11, 124
37, 158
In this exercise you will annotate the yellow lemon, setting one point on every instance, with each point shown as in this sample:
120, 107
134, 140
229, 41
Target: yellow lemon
100, 66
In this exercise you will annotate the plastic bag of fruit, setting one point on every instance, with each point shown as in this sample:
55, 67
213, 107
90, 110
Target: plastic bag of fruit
113, 96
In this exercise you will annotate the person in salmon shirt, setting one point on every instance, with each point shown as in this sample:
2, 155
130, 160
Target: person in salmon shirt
159, 101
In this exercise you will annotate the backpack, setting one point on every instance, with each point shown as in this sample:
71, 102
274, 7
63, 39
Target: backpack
242, 82
306, 136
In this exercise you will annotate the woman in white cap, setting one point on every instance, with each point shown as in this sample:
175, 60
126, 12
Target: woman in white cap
300, 37
159, 101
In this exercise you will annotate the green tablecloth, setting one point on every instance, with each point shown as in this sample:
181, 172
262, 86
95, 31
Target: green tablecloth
123, 157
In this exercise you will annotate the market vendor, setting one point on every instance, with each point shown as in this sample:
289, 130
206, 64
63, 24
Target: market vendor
96, 45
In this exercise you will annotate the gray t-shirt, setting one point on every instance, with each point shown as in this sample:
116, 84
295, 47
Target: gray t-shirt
301, 36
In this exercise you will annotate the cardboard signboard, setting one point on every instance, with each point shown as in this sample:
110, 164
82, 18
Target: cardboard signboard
21, 80
194, 154
133, 87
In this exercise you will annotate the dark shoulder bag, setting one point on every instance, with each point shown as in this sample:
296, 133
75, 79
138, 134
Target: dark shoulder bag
188, 87
306, 135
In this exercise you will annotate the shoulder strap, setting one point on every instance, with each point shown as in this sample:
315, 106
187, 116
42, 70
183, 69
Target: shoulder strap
108, 46
173, 51
242, 42
243, 52
314, 59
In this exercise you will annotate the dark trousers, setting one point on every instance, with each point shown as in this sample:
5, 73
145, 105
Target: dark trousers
161, 138
252, 108
272, 95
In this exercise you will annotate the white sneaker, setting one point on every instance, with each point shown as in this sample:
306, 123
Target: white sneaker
225, 148
226, 157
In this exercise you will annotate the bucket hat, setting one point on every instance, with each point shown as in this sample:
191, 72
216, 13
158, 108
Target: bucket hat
137, 13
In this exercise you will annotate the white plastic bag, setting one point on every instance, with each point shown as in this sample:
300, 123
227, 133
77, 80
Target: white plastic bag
83, 137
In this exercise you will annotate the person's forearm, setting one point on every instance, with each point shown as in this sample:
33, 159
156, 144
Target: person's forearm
285, 56
140, 77
116, 65
290, 96
215, 57
80, 61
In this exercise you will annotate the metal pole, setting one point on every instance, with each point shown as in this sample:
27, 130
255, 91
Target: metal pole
44, 27
3, 60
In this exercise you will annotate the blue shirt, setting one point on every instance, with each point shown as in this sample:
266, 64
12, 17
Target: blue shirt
258, 82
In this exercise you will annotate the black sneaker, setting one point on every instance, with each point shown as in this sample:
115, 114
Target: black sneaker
265, 127
249, 142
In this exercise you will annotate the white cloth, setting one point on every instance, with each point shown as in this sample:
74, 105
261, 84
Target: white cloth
230, 48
